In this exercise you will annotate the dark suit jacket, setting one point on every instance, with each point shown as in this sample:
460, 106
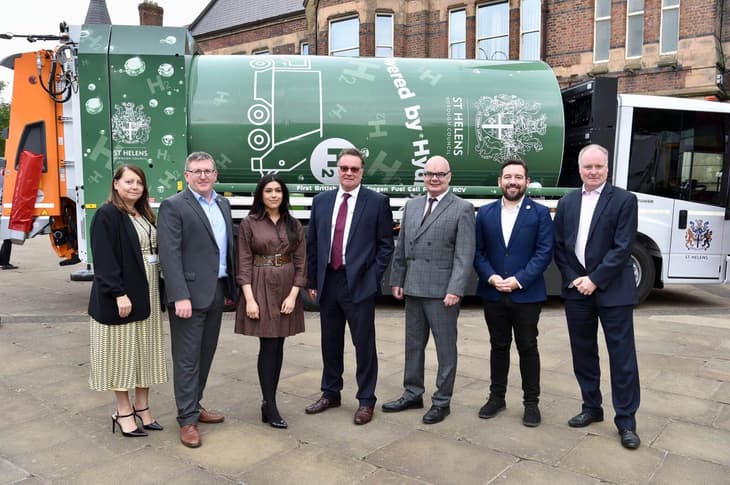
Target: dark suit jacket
189, 253
369, 242
608, 248
118, 268
526, 256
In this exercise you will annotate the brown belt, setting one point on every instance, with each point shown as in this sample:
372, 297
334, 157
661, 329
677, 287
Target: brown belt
273, 260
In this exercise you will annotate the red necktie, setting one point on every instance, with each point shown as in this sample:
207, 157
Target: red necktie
428, 211
339, 236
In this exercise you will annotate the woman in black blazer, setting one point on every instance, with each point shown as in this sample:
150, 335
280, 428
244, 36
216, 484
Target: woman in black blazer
124, 305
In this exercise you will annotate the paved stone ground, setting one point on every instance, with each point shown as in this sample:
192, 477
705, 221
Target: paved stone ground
55, 430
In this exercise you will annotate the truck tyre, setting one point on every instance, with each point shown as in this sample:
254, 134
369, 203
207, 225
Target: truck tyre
644, 270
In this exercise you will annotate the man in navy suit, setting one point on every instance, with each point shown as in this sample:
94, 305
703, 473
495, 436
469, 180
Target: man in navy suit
513, 249
349, 245
595, 229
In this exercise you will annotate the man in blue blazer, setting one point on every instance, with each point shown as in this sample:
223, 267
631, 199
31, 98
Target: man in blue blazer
595, 229
513, 249
349, 245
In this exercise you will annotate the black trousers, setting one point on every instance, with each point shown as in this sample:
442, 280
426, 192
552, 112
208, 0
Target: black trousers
336, 308
503, 318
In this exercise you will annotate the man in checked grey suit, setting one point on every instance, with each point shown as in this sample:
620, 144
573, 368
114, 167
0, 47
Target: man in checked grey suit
430, 267
195, 241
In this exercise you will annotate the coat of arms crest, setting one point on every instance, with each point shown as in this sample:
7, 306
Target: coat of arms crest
130, 124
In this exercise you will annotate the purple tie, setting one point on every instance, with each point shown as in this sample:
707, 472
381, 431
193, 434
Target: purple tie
339, 236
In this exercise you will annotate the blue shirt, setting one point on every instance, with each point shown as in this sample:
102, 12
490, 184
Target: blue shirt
218, 224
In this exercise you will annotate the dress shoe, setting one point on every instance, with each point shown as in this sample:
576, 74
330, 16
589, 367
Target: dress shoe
401, 404
532, 417
629, 439
210, 417
436, 414
323, 404
364, 414
153, 426
492, 407
190, 436
584, 419
9, 266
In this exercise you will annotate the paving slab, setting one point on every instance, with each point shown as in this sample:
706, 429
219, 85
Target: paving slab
703, 442
600, 457
438, 460
683, 470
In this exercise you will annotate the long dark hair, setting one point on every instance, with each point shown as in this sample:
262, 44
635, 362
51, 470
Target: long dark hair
258, 209
142, 205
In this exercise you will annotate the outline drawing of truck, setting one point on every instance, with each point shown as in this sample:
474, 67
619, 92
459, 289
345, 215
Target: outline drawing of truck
289, 80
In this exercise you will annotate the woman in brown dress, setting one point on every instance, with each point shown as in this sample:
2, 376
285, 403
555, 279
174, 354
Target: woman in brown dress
271, 270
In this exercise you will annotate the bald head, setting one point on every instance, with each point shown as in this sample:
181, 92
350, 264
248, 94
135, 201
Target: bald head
437, 175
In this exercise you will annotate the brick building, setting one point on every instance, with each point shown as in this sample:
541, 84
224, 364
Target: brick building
669, 47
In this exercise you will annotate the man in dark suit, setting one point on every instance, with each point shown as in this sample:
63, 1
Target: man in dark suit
349, 245
197, 258
514, 248
595, 229
431, 266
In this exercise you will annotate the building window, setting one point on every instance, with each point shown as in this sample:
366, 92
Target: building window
634, 28
670, 27
261, 52
304, 48
493, 31
345, 37
530, 19
383, 35
457, 34
602, 39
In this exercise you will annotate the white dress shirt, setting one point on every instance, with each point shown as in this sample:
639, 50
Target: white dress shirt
348, 222
587, 208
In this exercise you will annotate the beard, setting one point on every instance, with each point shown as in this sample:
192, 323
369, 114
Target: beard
515, 196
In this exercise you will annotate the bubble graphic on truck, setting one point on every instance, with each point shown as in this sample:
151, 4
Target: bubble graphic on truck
273, 128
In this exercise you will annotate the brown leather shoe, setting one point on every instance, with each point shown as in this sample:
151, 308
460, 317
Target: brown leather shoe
190, 436
323, 404
210, 417
363, 415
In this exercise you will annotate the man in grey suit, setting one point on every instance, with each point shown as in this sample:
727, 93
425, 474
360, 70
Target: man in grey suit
195, 240
431, 266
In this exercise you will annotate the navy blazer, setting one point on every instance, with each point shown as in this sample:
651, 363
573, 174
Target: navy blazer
525, 256
608, 248
369, 242
118, 268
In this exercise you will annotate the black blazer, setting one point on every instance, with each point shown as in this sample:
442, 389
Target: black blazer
118, 268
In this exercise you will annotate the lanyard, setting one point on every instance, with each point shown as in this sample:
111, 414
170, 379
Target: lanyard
147, 228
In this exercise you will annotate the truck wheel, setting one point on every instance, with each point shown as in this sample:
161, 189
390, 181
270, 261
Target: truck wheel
644, 270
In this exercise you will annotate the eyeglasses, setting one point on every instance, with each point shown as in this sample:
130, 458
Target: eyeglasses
199, 173
345, 169
438, 175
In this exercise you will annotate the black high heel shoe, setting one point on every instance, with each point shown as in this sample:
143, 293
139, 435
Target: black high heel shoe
132, 434
153, 426
274, 423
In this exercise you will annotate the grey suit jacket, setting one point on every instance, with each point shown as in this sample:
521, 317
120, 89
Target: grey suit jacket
435, 258
188, 251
